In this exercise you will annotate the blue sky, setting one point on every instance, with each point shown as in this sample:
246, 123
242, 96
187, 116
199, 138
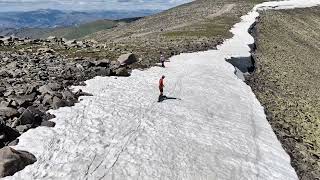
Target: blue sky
83, 5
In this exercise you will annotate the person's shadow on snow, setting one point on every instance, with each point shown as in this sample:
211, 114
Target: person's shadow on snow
163, 98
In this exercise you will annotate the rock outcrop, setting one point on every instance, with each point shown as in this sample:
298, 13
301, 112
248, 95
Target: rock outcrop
127, 59
12, 161
36, 75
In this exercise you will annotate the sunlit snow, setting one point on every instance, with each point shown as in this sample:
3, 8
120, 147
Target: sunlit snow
218, 130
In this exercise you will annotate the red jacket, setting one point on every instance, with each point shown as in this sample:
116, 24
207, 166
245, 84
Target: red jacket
161, 85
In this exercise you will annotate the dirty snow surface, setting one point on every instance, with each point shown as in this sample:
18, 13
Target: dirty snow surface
218, 130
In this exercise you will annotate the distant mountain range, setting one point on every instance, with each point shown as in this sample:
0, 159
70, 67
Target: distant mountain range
49, 18
70, 32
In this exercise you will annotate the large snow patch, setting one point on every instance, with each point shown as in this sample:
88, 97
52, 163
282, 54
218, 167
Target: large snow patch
218, 130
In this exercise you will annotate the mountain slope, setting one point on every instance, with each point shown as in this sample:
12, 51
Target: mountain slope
83, 30
188, 15
214, 129
72, 32
46, 18
210, 126
199, 25
287, 82
217, 131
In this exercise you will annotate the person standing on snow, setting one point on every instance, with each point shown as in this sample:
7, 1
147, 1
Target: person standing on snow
162, 59
161, 85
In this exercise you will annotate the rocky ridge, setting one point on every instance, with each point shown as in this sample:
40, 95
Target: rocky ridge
36, 77
286, 82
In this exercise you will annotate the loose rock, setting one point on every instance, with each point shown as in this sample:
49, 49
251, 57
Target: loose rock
122, 72
127, 59
8, 112
48, 124
27, 117
12, 161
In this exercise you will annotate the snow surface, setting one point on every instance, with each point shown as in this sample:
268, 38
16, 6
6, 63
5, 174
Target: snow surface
218, 130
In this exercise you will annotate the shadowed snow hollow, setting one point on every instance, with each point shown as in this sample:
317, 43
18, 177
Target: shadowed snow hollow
218, 130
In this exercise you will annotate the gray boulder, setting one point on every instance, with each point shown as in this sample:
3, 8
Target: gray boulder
80, 67
71, 43
101, 71
30, 89
26, 99
45, 89
2, 90
57, 103
4, 104
47, 117
27, 117
81, 93
7, 133
54, 86
48, 124
31, 116
13, 103
87, 64
12, 161
47, 99
23, 128
114, 64
127, 59
9, 92
122, 72
5, 59
68, 95
49, 88
14, 142
52, 38
102, 63
21, 110
4, 73
8, 112
12, 65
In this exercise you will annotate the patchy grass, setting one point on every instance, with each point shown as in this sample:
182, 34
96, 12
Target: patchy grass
86, 53
218, 26
83, 30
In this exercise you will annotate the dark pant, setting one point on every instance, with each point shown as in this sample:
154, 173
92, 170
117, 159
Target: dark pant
161, 90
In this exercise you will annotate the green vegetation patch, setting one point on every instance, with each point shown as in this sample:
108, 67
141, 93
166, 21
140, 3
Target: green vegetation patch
82, 30
219, 26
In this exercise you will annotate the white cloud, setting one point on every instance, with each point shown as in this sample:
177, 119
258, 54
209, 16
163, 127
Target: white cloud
82, 5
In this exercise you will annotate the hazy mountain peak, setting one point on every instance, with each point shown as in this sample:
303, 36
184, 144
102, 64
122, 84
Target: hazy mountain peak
44, 18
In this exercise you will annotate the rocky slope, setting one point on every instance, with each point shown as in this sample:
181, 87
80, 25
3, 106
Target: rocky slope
196, 26
211, 126
286, 82
35, 76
